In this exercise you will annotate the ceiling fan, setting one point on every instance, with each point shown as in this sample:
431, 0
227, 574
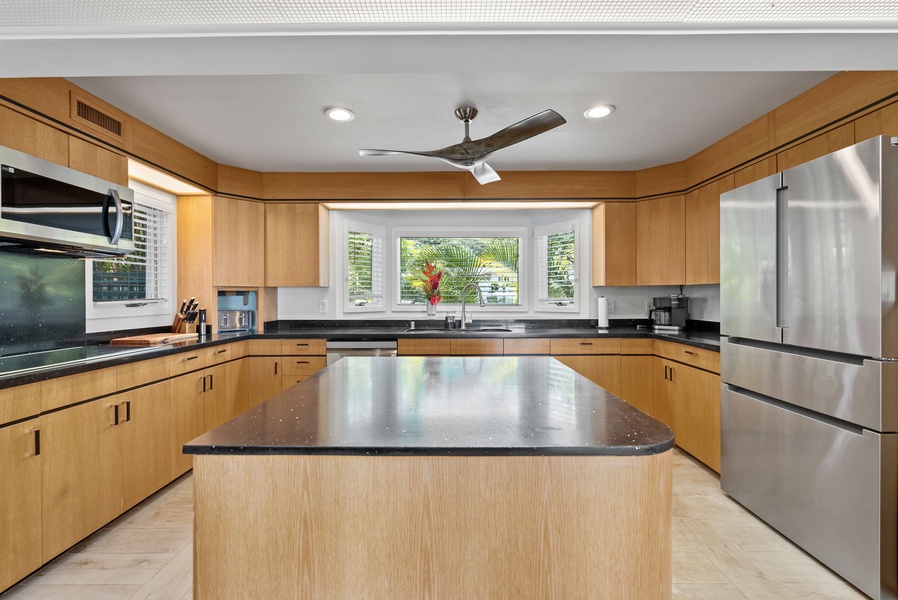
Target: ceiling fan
471, 154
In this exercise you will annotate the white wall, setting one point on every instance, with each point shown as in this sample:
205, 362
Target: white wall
628, 302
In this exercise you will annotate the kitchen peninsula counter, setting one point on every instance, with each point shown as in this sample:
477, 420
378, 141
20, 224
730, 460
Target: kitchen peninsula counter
491, 477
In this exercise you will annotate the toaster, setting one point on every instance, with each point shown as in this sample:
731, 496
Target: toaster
236, 320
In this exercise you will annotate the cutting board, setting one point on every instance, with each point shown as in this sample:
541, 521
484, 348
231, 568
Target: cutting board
151, 339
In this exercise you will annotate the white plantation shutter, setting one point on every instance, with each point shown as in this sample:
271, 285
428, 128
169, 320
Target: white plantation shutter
143, 274
556, 276
364, 268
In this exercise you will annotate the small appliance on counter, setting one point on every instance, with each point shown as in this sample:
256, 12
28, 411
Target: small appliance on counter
669, 313
236, 320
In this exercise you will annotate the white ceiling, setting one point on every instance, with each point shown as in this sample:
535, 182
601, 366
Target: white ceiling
251, 92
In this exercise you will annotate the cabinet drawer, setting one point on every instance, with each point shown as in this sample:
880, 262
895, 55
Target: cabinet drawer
263, 347
288, 381
76, 388
142, 372
20, 401
637, 346
303, 347
422, 347
302, 366
690, 355
192, 360
517, 347
479, 347
586, 346
221, 354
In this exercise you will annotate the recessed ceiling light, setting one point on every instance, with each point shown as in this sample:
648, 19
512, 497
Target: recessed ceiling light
597, 112
340, 114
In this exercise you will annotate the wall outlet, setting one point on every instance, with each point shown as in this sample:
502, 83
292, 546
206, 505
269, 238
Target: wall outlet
322, 306
610, 306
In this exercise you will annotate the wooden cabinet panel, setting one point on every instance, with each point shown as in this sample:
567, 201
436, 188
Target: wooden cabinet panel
192, 360
476, 347
146, 462
288, 381
523, 346
880, 122
238, 243
696, 357
265, 347
20, 502
304, 347
81, 477
77, 388
663, 392
637, 346
423, 347
703, 232
585, 346
697, 413
614, 244
99, 162
188, 417
265, 374
296, 245
601, 370
302, 365
824, 144
661, 241
33, 137
636, 382
20, 402
219, 403
142, 372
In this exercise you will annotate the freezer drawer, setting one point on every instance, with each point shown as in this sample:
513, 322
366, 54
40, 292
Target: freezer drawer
829, 488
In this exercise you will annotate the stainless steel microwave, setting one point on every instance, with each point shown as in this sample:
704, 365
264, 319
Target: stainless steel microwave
45, 207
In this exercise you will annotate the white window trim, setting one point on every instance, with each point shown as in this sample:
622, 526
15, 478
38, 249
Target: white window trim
541, 230
108, 316
377, 230
524, 268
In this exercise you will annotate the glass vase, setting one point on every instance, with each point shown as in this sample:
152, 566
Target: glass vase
431, 309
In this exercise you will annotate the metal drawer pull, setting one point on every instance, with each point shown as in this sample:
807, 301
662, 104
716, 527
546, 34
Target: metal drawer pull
204, 383
115, 413
586, 343
222, 351
192, 357
210, 383
689, 352
275, 367
302, 362
302, 344
37, 442
127, 411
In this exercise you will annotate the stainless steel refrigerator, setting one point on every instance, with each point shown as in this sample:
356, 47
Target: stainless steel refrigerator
809, 326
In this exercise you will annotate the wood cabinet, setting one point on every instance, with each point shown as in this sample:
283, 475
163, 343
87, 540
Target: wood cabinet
661, 241
702, 214
99, 162
423, 347
636, 385
188, 417
614, 244
238, 243
20, 501
33, 137
265, 378
296, 245
597, 359
144, 423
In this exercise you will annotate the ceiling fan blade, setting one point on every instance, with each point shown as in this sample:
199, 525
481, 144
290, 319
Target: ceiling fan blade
520, 131
376, 152
484, 174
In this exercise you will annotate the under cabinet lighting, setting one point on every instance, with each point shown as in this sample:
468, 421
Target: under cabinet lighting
340, 114
597, 112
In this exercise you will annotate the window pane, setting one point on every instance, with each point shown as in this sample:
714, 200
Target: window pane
365, 269
141, 275
557, 271
490, 263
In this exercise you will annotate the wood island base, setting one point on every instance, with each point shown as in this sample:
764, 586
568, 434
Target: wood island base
341, 527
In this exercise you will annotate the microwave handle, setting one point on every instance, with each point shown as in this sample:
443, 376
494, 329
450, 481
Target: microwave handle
119, 216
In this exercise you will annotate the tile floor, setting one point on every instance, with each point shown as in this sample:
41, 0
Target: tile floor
720, 552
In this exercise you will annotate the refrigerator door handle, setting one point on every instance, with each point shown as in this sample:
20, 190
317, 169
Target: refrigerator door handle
782, 256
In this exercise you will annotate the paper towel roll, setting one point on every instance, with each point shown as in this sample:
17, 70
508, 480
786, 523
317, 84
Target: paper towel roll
603, 312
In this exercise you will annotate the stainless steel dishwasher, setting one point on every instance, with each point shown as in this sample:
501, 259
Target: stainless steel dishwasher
337, 349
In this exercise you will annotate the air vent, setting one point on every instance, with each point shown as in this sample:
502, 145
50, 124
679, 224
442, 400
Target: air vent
101, 118
92, 115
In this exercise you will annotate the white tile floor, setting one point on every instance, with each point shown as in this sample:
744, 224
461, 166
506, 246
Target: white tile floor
720, 552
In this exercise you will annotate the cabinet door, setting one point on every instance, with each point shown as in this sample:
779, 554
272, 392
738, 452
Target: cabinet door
33, 137
81, 473
663, 392
187, 417
219, 400
614, 244
636, 383
697, 414
601, 370
99, 162
238, 242
296, 245
146, 464
20, 502
661, 241
264, 378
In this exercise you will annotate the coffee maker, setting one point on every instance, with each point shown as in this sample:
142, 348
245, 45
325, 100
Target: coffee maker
669, 313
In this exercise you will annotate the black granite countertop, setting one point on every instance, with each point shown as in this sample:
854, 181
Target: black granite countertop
39, 366
466, 406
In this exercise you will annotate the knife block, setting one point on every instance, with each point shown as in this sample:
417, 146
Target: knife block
187, 328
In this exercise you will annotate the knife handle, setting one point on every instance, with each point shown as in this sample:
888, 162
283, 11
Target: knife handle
176, 324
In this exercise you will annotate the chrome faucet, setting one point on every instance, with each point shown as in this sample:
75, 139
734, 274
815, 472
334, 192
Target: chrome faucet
464, 299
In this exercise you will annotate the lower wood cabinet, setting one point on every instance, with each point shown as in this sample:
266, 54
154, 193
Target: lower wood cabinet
636, 383
188, 416
20, 501
144, 422
601, 370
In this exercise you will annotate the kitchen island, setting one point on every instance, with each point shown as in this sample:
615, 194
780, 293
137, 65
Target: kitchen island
497, 477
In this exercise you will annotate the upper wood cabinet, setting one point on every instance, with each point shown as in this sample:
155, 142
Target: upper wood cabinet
296, 245
703, 232
33, 137
661, 241
614, 244
238, 249
99, 162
